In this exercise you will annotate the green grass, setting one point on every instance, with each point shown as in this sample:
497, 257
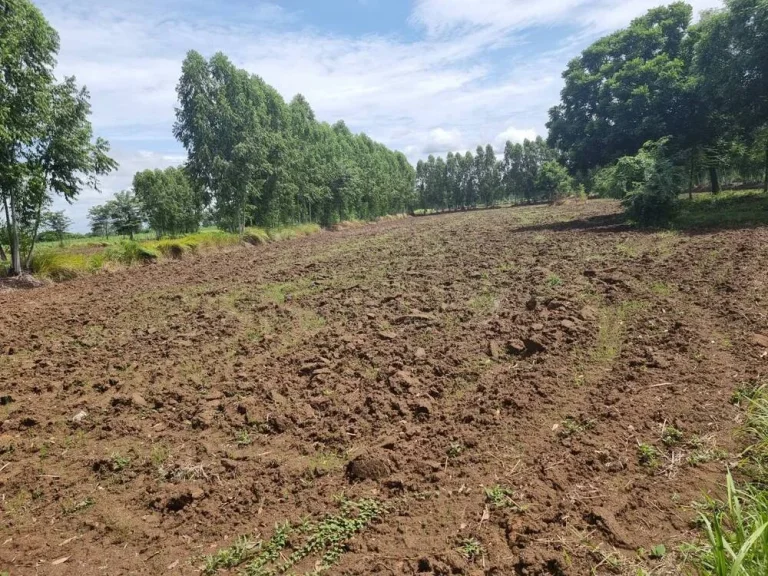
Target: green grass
730, 209
736, 531
88, 255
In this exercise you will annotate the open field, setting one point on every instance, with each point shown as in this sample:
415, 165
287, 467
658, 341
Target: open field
537, 390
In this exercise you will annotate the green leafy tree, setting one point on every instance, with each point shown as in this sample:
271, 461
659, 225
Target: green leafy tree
126, 214
553, 180
627, 88
169, 201
58, 223
100, 218
46, 143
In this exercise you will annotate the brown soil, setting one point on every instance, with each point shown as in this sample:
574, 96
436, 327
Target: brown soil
150, 416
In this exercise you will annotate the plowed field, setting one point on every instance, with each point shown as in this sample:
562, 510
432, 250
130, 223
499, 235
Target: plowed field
536, 390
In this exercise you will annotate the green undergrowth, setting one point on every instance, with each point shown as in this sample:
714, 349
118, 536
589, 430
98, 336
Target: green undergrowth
60, 264
323, 541
728, 209
736, 530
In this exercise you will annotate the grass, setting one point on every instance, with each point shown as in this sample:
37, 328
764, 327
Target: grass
736, 530
471, 548
730, 209
87, 255
325, 541
502, 497
612, 330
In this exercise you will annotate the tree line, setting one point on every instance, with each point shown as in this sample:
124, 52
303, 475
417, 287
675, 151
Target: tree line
258, 160
527, 172
666, 104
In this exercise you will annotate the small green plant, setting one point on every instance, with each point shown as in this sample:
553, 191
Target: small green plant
242, 438
325, 539
471, 548
574, 426
501, 497
554, 280
455, 450
118, 462
648, 455
671, 436
243, 549
658, 552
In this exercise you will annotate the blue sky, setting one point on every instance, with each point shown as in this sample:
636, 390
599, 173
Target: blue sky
421, 76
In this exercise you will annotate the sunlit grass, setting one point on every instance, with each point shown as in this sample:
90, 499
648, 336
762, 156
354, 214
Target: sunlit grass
89, 255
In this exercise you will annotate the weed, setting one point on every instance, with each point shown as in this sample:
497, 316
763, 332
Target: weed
471, 548
671, 436
484, 303
736, 537
243, 549
118, 462
502, 497
554, 281
325, 539
574, 426
661, 288
242, 438
648, 455
455, 450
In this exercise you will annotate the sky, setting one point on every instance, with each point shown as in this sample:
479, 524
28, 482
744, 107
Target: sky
421, 76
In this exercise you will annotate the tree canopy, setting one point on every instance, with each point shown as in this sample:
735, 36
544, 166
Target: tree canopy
265, 162
46, 140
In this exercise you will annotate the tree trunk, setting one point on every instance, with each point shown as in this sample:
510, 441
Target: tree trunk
690, 180
13, 236
715, 181
765, 177
3, 257
28, 259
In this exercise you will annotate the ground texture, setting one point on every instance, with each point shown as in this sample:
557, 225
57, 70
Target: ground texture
517, 391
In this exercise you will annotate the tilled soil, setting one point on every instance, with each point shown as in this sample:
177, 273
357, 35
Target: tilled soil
523, 391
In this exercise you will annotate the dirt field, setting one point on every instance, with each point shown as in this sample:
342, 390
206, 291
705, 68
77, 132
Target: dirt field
516, 391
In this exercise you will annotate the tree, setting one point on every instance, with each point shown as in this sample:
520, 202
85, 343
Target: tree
731, 62
169, 201
627, 88
125, 211
553, 180
45, 137
100, 218
58, 223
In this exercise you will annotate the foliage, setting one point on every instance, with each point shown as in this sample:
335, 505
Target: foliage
46, 143
58, 223
627, 88
125, 213
268, 163
651, 183
168, 200
528, 172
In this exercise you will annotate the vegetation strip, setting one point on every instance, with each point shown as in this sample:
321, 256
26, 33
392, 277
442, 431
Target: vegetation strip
325, 539
737, 529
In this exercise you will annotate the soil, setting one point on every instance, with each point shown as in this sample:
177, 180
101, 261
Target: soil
150, 416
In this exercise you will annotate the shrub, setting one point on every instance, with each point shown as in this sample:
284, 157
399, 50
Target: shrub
648, 183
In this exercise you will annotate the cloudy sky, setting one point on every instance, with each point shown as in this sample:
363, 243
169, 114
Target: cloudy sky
421, 76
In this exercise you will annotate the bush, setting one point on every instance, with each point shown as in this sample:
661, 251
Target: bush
648, 183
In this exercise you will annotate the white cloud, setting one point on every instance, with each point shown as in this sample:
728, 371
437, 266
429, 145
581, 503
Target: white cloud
476, 68
514, 135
